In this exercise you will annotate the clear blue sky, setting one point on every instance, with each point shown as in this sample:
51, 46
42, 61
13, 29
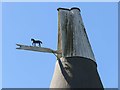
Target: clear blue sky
23, 21
0, 45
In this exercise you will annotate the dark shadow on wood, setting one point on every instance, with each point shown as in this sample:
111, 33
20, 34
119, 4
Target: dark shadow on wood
64, 73
83, 73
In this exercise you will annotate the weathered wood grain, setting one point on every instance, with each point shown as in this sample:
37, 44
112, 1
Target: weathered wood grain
72, 36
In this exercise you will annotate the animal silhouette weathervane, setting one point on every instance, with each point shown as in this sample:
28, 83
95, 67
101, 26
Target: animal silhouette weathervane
34, 42
37, 48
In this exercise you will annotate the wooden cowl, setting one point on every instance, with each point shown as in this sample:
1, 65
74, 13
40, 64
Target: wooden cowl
72, 37
76, 67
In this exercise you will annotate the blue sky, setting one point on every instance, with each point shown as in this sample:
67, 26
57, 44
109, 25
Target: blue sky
23, 21
1, 45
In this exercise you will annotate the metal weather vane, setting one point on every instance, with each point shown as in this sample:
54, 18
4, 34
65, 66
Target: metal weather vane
38, 48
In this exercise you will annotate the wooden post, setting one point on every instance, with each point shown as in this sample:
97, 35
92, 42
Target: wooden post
77, 66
